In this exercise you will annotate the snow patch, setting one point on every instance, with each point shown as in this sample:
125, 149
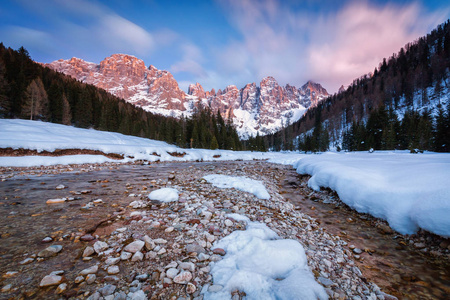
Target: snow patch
244, 184
164, 195
263, 266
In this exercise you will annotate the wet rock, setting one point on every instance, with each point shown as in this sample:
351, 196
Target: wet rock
27, 261
79, 279
187, 266
142, 277
112, 261
183, 278
50, 280
50, 251
60, 187
61, 288
6, 288
134, 246
357, 251
47, 240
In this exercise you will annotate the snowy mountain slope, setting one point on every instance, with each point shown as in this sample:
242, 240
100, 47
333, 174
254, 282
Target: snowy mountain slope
254, 109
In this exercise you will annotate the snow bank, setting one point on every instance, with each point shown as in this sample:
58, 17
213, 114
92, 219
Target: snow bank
42, 136
263, 266
31, 161
410, 191
244, 184
164, 195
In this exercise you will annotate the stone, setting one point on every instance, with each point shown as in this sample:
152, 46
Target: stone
100, 246
120, 295
61, 288
190, 288
46, 240
419, 245
107, 290
125, 255
194, 247
138, 295
172, 272
91, 270
228, 223
134, 246
90, 279
357, 251
113, 270
325, 281
50, 280
202, 257
112, 261
88, 251
60, 187
10, 274
187, 266
79, 279
149, 244
160, 241
27, 261
50, 251
138, 256
142, 277
6, 288
87, 238
183, 278
219, 251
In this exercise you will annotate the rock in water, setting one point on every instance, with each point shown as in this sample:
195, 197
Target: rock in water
51, 280
50, 251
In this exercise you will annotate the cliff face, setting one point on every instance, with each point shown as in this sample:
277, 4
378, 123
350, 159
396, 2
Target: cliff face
254, 109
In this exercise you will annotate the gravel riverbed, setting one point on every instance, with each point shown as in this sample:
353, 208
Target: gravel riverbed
147, 249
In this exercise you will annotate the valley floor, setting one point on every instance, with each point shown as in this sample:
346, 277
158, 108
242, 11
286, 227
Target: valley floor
168, 250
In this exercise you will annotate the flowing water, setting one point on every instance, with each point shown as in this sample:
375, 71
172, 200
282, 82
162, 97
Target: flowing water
396, 267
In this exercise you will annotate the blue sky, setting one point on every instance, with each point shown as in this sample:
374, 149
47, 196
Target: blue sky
223, 42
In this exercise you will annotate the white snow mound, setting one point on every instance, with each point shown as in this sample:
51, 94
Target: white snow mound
164, 195
263, 266
240, 183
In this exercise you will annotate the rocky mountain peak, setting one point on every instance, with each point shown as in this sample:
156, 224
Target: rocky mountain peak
196, 90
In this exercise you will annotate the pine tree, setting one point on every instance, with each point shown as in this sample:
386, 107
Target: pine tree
214, 144
35, 104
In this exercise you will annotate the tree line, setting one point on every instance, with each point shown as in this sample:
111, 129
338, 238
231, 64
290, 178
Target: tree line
30, 91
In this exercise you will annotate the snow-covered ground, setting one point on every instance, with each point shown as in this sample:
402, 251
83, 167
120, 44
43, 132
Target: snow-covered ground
240, 183
410, 191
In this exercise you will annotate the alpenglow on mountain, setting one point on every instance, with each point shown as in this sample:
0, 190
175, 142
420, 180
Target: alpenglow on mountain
254, 109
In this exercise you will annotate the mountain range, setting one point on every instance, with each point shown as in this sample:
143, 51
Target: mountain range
254, 109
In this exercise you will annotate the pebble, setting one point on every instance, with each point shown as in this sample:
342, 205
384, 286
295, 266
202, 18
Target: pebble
50, 280
183, 278
90, 279
100, 246
134, 246
138, 256
107, 290
160, 241
219, 251
6, 288
27, 261
357, 251
88, 251
91, 270
87, 238
113, 270
50, 251
190, 288
187, 266
46, 240
61, 288
79, 279
125, 255
60, 187
172, 272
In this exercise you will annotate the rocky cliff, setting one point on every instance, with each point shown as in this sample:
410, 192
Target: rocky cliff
254, 109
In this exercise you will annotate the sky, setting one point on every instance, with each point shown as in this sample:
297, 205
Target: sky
224, 42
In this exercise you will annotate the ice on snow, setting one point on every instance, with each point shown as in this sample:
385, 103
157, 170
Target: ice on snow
240, 183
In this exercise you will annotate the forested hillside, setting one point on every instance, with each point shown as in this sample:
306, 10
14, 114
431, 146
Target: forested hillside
402, 105
30, 91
